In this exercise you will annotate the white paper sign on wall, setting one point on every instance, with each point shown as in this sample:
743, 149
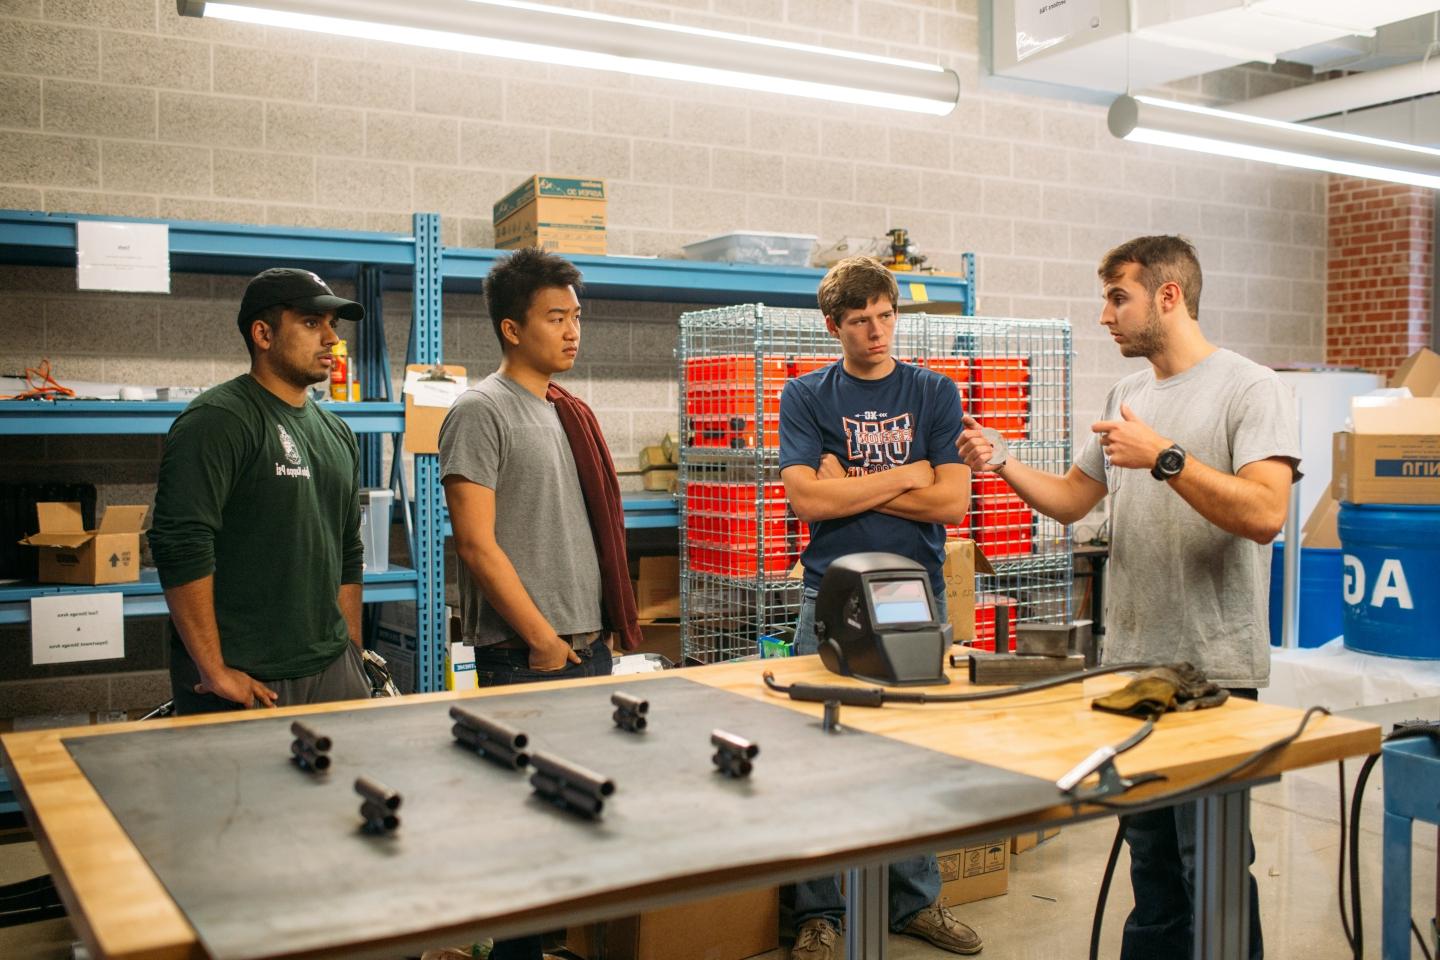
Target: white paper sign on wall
73, 627
130, 257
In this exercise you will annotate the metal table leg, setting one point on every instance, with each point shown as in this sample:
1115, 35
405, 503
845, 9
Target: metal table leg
1395, 916
867, 912
1222, 876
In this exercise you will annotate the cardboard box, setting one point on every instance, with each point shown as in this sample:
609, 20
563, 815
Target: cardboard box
974, 873
460, 667
662, 637
653, 457
657, 591
1420, 373
1322, 527
662, 481
559, 214
71, 554
1393, 454
962, 559
422, 424
731, 927
1022, 842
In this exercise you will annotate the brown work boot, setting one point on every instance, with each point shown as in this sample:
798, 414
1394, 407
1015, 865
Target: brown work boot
937, 925
816, 940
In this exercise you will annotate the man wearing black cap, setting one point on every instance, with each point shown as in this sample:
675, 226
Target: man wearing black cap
257, 518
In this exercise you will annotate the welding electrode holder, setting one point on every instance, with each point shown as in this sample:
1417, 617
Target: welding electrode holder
309, 751
378, 806
494, 741
733, 754
569, 786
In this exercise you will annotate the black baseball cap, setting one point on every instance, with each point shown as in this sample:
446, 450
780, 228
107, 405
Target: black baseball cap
295, 288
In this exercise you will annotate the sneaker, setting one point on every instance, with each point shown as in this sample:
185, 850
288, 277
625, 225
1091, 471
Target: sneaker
937, 925
816, 940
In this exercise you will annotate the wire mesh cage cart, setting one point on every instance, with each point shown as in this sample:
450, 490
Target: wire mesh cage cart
742, 542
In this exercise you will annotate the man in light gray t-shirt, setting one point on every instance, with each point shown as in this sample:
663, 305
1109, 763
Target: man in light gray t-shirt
503, 437
1182, 588
1197, 454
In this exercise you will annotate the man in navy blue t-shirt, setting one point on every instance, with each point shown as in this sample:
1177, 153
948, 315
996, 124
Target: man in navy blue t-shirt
867, 454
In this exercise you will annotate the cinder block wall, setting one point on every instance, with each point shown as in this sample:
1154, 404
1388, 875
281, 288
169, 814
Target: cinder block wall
122, 107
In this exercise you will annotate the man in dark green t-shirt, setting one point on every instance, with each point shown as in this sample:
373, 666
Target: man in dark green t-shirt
257, 518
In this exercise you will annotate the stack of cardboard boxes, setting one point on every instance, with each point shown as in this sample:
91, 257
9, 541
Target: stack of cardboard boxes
1391, 454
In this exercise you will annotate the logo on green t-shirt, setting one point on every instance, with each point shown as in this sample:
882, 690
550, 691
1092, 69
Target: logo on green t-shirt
292, 452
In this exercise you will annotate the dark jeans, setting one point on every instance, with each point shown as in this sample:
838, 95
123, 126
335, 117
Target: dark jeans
498, 667
1162, 876
914, 883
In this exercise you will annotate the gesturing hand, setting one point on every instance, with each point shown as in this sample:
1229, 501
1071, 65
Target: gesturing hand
1130, 442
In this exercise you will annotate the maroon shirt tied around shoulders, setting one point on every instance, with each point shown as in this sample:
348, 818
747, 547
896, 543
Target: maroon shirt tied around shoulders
601, 488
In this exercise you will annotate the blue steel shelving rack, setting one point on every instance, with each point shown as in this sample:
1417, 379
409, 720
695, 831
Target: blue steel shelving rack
374, 262
370, 259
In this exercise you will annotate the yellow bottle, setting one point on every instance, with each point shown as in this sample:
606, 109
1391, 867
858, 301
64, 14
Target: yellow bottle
339, 372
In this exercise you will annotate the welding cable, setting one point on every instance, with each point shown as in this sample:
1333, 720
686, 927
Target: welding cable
1354, 926
879, 696
1168, 799
1105, 891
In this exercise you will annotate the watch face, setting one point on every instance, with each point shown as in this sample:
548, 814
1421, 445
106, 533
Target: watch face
1170, 461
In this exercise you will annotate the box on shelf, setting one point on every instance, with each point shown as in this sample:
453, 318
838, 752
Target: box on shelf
657, 589
1022, 842
1393, 453
777, 249
660, 480
653, 457
962, 559
974, 873
563, 214
71, 554
662, 637
460, 666
729, 927
422, 423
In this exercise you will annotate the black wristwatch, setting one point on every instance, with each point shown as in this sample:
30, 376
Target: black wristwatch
1169, 463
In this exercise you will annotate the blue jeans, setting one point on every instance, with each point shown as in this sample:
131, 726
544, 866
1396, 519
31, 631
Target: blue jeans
1162, 878
914, 883
495, 667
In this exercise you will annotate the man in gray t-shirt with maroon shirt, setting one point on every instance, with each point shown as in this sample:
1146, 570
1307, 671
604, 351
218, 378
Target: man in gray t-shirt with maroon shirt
1197, 454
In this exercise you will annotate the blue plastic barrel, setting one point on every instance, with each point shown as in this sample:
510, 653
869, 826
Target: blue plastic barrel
1391, 585
1322, 614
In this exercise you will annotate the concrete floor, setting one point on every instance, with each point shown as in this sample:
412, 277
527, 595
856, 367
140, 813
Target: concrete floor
1047, 913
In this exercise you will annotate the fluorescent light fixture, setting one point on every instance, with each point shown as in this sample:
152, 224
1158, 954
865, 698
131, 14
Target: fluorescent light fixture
1227, 134
579, 38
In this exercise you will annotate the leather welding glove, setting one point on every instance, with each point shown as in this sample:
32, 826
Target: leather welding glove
1145, 696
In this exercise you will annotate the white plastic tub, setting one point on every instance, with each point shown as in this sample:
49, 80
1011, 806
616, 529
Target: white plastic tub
775, 249
375, 504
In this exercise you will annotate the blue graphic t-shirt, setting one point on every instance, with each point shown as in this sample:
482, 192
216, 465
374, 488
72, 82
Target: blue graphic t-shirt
871, 425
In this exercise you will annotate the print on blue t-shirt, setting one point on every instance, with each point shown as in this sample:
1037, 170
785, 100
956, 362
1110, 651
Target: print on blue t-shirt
871, 425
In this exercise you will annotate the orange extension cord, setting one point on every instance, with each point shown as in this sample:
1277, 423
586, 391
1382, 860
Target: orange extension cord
42, 386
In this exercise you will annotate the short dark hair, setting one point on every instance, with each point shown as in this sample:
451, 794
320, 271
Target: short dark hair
1162, 260
512, 283
852, 283
271, 316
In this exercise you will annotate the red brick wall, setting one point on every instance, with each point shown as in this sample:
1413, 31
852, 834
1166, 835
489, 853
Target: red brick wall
1381, 250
